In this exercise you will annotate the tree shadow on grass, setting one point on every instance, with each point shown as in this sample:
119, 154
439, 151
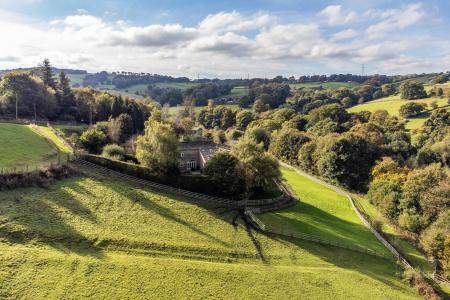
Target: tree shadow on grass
135, 194
27, 216
383, 270
308, 219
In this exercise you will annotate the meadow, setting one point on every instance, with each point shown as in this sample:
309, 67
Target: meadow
322, 212
21, 146
95, 236
393, 103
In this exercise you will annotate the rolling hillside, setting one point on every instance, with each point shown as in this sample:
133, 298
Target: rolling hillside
96, 236
393, 103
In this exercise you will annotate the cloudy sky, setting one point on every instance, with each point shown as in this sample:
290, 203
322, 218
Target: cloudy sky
228, 38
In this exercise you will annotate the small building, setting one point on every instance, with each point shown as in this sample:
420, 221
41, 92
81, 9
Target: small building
195, 154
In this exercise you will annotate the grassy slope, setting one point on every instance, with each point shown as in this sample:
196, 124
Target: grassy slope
21, 146
412, 255
97, 237
392, 105
322, 212
63, 149
325, 85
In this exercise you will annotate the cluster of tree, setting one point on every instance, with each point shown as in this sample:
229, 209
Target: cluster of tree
42, 96
170, 96
411, 89
307, 99
247, 168
221, 117
123, 81
96, 79
200, 94
265, 96
411, 109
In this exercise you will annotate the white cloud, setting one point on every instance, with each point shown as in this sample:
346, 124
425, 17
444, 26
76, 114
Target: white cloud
394, 20
344, 35
222, 44
336, 16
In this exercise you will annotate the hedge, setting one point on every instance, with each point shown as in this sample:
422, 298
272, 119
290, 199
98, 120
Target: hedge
199, 184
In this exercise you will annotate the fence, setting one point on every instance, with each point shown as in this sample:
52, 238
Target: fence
205, 199
311, 238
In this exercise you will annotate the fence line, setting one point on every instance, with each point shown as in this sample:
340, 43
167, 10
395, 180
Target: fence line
308, 237
211, 200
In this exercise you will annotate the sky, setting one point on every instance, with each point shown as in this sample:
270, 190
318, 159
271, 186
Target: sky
228, 39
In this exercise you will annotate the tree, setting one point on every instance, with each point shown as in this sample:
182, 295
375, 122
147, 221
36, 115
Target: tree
116, 107
46, 74
386, 196
243, 118
120, 129
67, 98
157, 148
286, 144
93, 140
27, 96
260, 168
346, 159
259, 135
334, 112
412, 90
439, 79
259, 106
411, 109
227, 173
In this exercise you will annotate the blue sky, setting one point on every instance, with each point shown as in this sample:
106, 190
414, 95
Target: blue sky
228, 38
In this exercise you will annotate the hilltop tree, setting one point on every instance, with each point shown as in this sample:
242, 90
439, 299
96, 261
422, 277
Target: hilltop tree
412, 90
46, 74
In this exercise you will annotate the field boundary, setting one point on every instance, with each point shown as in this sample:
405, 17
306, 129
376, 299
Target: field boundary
360, 215
437, 279
262, 205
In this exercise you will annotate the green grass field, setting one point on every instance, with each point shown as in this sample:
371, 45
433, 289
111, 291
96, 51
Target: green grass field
21, 146
393, 103
322, 212
62, 148
325, 85
67, 130
95, 236
239, 91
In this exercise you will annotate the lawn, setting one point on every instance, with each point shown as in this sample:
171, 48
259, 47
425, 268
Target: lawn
21, 146
93, 236
325, 85
322, 212
393, 103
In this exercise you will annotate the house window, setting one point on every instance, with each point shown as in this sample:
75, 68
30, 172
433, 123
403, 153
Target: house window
191, 165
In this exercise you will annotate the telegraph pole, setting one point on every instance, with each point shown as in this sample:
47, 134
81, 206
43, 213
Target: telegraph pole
17, 107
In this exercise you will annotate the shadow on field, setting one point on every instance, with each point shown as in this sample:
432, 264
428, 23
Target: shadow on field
380, 269
314, 221
26, 216
138, 197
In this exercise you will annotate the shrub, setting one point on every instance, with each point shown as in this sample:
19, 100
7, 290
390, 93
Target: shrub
39, 178
93, 140
411, 109
114, 151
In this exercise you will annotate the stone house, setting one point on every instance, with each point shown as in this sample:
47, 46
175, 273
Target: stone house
194, 155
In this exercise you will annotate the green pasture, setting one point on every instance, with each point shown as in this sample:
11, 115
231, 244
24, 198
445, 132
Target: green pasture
93, 236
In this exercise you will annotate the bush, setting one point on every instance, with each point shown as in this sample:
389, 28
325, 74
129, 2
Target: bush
39, 178
411, 109
114, 151
93, 140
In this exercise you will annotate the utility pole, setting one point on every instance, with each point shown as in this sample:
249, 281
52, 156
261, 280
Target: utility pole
17, 107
